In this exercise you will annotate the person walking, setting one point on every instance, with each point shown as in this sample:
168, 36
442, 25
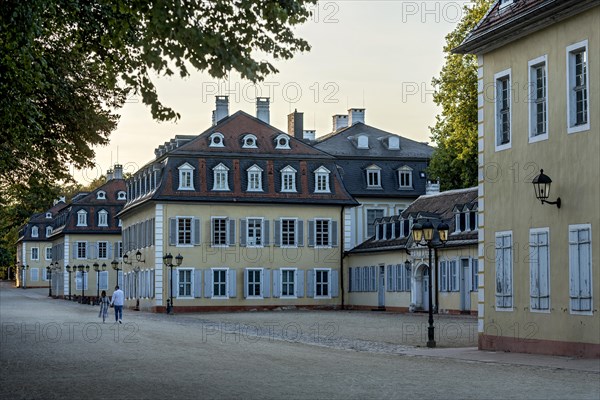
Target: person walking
117, 300
104, 305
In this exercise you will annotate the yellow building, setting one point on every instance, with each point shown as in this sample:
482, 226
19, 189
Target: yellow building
539, 108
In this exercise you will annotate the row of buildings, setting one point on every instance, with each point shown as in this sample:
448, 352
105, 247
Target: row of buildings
245, 216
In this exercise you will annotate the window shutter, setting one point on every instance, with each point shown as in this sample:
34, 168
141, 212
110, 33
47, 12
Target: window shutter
585, 268
311, 233
335, 283
373, 278
172, 231
151, 283
394, 280
197, 283
245, 282
299, 283
507, 273
389, 283
243, 231
350, 279
266, 233
109, 250
534, 278
310, 278
120, 275
143, 234
208, 283
300, 233
266, 283
196, 232
89, 250
456, 276
232, 284
333, 225
277, 235
544, 290
276, 283
231, 232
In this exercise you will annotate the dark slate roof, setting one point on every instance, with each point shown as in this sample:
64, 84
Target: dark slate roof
502, 25
438, 206
41, 221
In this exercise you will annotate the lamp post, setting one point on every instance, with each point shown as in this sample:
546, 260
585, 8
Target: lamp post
69, 270
98, 269
136, 269
24, 269
49, 278
83, 270
115, 265
168, 261
423, 234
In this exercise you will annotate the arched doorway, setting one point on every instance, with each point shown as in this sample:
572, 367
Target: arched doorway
421, 289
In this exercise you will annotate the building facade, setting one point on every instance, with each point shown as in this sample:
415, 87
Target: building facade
539, 108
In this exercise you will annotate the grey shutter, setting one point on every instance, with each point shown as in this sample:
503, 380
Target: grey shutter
266, 283
109, 250
456, 275
534, 279
334, 233
208, 283
89, 248
120, 276
115, 253
153, 231
350, 279
310, 283
231, 232
172, 231
74, 252
389, 282
197, 234
266, 233
335, 283
151, 284
299, 283
300, 233
147, 232
311, 233
245, 283
243, 231
276, 283
143, 234
277, 233
232, 284
197, 283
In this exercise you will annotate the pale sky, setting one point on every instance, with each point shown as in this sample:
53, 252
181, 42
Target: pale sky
380, 55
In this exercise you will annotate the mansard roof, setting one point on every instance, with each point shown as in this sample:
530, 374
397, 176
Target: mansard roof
40, 220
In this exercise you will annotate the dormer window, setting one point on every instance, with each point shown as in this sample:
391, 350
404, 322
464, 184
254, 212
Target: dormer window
220, 173
81, 218
186, 177
102, 218
48, 215
322, 180
48, 231
504, 3
362, 142
217, 140
101, 195
405, 174
34, 231
255, 178
282, 142
393, 143
373, 177
249, 142
121, 195
288, 179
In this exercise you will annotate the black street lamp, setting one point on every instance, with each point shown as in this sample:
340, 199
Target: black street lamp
423, 234
24, 269
541, 185
49, 278
69, 270
98, 269
136, 269
83, 269
115, 266
168, 261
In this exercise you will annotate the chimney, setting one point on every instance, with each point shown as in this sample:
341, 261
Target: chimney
356, 115
109, 175
222, 109
61, 199
296, 124
310, 134
118, 172
340, 121
262, 109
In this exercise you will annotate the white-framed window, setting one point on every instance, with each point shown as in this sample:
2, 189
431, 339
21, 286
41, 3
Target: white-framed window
48, 231
81, 218
405, 175
282, 142
373, 177
288, 179
35, 253
288, 232
362, 142
580, 269
35, 231
538, 99
121, 195
578, 88
48, 253
220, 231
249, 142
79, 278
322, 233
102, 218
373, 214
322, 180
184, 231
504, 270
219, 282
81, 250
103, 250
103, 280
254, 282
220, 175
322, 288
217, 140
504, 3
254, 232
48, 215
288, 282
184, 283
255, 178
101, 195
186, 177
539, 269
503, 109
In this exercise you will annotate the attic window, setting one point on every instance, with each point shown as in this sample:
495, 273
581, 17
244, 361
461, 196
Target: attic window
504, 3
374, 177
217, 140
322, 180
394, 143
34, 231
249, 142
186, 177
101, 195
282, 142
121, 195
48, 215
405, 175
362, 142
48, 231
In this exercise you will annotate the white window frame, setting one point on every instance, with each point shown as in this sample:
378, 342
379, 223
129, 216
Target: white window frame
534, 263
329, 233
191, 283
48, 215
375, 171
511, 247
408, 171
121, 195
81, 218
48, 231
295, 225
219, 142
212, 231
220, 178
282, 142
328, 270
191, 243
571, 106
35, 231
504, 3
249, 142
186, 177
322, 180
281, 283
37, 254
85, 250
367, 209
46, 253
102, 218
106, 255
254, 185
532, 66
101, 195
288, 171
578, 227
260, 229
212, 271
502, 75
261, 283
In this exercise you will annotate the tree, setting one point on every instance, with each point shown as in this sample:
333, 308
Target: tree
455, 132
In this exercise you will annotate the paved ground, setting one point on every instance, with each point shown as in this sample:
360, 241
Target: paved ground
58, 349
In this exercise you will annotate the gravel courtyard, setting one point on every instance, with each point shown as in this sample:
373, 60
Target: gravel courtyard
59, 349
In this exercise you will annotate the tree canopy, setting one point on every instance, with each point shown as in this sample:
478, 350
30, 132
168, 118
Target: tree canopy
455, 132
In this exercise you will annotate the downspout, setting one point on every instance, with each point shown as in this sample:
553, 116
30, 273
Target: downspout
437, 287
342, 255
